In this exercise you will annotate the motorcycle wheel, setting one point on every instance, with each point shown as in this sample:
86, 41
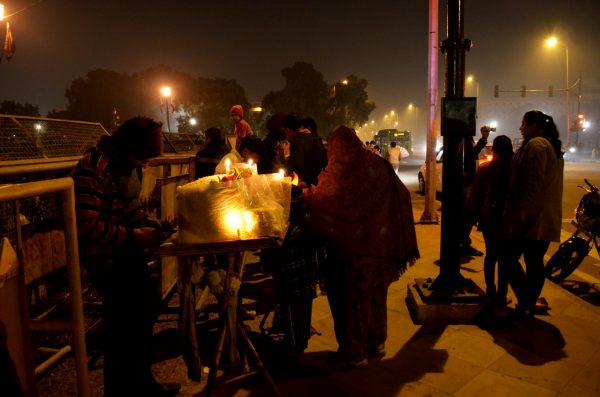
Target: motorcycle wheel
569, 256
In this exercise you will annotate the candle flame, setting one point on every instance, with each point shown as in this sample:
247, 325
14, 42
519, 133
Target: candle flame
281, 173
295, 179
233, 219
250, 162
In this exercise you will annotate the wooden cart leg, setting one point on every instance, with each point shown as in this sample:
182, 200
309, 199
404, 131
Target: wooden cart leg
259, 363
216, 359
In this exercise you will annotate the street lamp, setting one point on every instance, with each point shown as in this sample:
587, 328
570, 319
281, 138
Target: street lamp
471, 79
416, 110
166, 93
394, 113
551, 42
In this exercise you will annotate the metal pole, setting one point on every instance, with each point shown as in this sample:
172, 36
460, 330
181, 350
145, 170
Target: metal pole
567, 93
168, 122
429, 214
450, 280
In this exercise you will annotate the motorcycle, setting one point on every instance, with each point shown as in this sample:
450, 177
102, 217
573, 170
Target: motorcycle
571, 253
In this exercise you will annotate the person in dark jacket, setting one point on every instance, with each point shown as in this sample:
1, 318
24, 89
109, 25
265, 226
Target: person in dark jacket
274, 143
208, 157
113, 232
471, 152
486, 204
308, 156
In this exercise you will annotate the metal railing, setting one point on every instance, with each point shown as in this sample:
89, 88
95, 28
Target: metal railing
23, 137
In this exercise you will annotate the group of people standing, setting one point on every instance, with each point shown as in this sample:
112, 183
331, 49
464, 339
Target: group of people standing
353, 205
517, 201
350, 204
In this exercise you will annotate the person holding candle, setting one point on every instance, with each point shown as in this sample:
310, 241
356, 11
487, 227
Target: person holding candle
362, 213
308, 155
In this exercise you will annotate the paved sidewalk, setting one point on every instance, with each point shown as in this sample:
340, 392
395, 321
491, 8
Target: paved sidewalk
552, 355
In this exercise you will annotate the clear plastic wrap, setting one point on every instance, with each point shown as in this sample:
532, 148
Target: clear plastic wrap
210, 210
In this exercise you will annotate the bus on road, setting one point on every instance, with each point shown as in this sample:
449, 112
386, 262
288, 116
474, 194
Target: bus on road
383, 138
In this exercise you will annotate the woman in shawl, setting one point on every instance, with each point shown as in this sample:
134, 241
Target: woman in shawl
363, 214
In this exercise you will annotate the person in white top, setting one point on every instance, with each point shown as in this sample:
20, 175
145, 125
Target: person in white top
393, 156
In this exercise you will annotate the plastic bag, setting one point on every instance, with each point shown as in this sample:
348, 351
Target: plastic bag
233, 157
212, 211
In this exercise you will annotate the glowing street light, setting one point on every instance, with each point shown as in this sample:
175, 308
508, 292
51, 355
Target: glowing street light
552, 42
412, 107
166, 93
471, 79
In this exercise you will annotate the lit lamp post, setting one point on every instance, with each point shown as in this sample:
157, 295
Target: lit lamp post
551, 43
166, 93
471, 79
394, 113
414, 108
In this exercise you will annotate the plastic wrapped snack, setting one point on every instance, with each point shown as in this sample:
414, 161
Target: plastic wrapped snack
211, 210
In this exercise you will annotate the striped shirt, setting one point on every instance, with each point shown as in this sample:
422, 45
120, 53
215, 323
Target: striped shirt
99, 206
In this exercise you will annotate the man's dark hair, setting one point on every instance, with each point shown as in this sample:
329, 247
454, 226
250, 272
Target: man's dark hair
139, 136
254, 145
310, 124
292, 121
393, 144
214, 134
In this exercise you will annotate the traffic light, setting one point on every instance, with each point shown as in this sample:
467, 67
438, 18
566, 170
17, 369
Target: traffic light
550, 91
496, 91
523, 91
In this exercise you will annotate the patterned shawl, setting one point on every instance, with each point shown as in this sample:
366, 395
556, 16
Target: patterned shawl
360, 207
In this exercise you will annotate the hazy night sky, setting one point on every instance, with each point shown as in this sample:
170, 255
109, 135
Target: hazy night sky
384, 42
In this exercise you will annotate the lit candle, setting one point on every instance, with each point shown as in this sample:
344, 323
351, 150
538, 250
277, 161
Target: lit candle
281, 173
250, 162
234, 220
227, 166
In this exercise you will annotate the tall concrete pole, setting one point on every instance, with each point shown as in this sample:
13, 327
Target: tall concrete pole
429, 214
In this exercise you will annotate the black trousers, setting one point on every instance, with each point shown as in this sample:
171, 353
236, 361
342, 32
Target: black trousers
527, 284
130, 303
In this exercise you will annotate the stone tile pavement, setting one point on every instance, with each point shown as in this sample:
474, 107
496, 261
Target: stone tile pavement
557, 354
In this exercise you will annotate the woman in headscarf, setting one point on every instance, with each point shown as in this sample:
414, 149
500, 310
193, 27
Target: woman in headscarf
363, 214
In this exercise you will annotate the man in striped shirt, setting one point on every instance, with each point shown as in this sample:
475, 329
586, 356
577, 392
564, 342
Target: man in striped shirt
113, 232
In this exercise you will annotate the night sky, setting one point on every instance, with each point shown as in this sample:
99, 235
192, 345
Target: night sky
384, 42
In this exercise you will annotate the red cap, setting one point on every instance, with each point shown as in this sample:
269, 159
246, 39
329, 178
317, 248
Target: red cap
237, 109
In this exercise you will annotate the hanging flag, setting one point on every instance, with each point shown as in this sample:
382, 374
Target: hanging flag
9, 44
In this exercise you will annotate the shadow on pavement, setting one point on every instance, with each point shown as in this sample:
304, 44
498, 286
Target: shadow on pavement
587, 291
314, 374
531, 341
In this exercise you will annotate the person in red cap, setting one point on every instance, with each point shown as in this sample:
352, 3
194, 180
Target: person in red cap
241, 128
